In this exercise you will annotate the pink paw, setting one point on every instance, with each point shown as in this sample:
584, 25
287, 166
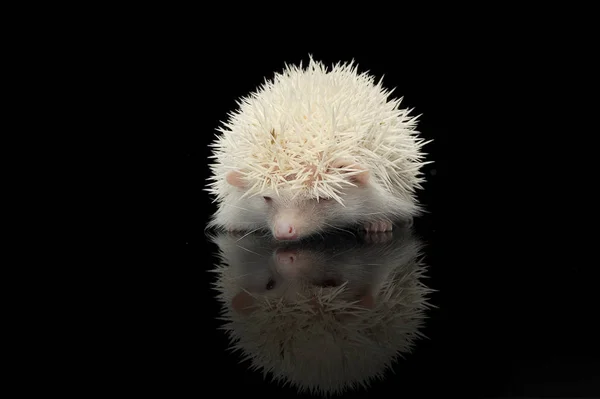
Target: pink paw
378, 238
378, 227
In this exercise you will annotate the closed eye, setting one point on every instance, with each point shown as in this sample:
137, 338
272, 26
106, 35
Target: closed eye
268, 199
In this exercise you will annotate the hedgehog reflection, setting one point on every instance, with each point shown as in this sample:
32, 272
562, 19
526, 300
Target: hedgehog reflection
324, 315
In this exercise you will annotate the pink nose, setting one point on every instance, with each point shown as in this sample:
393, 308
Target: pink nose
286, 257
284, 231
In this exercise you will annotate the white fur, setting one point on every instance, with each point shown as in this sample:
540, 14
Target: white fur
301, 137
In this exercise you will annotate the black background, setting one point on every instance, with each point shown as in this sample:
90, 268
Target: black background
516, 314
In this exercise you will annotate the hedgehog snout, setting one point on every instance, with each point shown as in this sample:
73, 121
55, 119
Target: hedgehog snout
286, 256
285, 230
286, 262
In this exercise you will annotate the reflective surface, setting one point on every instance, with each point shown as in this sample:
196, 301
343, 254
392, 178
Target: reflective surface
326, 315
420, 311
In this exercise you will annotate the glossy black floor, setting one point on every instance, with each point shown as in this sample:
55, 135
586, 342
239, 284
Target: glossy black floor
511, 311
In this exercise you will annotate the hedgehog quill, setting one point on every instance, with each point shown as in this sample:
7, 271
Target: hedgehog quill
317, 149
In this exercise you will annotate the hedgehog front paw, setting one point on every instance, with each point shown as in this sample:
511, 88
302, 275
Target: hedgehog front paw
378, 227
379, 238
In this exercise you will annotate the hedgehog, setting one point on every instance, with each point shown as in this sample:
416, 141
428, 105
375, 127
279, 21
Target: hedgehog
316, 149
319, 315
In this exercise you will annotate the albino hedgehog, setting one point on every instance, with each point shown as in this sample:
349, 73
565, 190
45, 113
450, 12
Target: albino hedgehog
320, 315
314, 150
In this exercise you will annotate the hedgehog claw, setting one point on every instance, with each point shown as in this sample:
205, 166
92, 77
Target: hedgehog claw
379, 238
378, 227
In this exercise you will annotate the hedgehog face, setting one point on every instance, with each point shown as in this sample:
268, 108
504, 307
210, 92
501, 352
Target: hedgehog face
293, 214
293, 274
292, 219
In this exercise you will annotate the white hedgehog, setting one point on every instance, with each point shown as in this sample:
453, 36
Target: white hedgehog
325, 315
313, 150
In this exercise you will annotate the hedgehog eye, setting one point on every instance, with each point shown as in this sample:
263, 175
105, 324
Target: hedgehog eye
268, 199
270, 284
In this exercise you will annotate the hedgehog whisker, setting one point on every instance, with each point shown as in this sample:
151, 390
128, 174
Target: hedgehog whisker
339, 228
247, 234
341, 253
246, 249
320, 233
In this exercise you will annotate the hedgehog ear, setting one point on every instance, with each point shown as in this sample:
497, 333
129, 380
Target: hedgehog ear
236, 179
360, 179
242, 303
